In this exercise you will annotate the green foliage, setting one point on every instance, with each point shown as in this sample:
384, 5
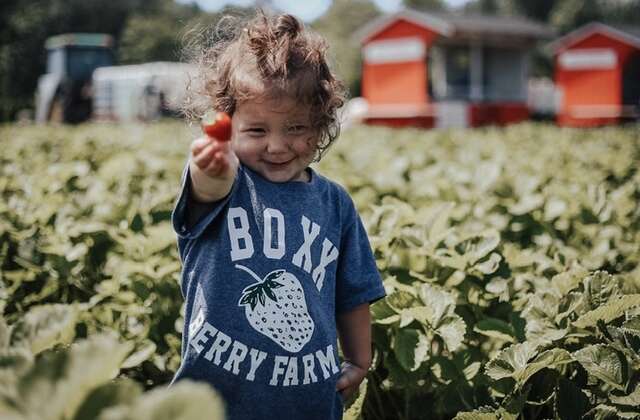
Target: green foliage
427, 5
91, 229
337, 25
490, 245
510, 258
150, 38
78, 380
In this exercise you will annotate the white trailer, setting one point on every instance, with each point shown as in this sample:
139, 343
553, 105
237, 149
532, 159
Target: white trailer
139, 92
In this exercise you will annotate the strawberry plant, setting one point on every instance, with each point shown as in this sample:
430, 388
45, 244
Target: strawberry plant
511, 259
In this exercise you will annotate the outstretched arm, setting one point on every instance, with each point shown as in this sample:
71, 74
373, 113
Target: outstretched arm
354, 332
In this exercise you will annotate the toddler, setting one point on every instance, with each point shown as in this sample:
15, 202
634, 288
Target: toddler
276, 262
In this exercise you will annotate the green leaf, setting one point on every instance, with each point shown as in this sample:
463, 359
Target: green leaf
381, 310
479, 414
488, 266
405, 346
603, 412
67, 377
511, 362
146, 349
472, 370
565, 282
571, 403
45, 326
421, 314
17, 359
632, 326
549, 359
632, 399
353, 410
121, 391
438, 301
185, 400
495, 328
599, 288
609, 311
452, 330
604, 363
4, 333
480, 245
399, 300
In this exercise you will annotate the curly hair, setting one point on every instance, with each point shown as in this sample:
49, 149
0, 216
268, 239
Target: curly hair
268, 56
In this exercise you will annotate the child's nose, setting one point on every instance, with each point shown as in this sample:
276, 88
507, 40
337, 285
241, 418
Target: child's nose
277, 144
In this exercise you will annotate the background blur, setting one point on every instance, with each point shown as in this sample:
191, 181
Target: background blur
153, 30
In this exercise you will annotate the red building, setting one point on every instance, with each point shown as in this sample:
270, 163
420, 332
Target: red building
444, 70
597, 73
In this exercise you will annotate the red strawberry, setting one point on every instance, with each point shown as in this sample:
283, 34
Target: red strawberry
217, 124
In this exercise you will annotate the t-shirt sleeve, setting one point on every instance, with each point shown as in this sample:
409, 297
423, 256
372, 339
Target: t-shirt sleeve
358, 280
189, 218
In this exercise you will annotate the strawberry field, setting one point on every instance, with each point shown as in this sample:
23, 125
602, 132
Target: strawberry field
511, 259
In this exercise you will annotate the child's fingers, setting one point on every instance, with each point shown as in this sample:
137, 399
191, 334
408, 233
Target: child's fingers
350, 377
203, 158
202, 143
217, 166
199, 144
343, 382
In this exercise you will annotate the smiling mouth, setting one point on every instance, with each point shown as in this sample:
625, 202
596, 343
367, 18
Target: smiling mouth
277, 164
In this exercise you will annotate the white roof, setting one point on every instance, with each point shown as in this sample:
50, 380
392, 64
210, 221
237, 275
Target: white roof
452, 25
145, 70
627, 35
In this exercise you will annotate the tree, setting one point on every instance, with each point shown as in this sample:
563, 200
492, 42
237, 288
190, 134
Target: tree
570, 14
26, 26
538, 10
427, 5
338, 25
155, 35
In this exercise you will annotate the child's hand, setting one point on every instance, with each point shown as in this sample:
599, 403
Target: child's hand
350, 378
214, 157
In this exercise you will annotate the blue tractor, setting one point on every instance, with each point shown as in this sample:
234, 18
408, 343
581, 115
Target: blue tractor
65, 93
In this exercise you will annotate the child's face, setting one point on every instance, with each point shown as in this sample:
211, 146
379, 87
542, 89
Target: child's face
274, 138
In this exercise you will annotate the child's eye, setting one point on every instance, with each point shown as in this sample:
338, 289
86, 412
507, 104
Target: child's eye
297, 129
255, 132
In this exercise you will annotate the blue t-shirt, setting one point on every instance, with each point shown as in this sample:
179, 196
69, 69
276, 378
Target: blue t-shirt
264, 274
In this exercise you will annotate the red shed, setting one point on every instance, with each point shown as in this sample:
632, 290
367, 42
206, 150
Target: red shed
597, 73
445, 70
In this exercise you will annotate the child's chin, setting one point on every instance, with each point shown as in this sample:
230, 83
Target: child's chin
279, 177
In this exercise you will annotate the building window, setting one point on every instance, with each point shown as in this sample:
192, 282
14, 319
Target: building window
503, 72
458, 64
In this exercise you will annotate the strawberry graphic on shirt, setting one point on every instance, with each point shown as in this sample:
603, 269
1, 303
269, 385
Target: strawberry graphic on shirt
276, 307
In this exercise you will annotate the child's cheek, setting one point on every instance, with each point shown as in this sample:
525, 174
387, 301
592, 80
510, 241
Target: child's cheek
307, 146
239, 147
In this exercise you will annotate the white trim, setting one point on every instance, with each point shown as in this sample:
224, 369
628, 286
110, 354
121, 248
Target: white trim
579, 34
394, 50
524, 74
602, 111
439, 72
399, 111
476, 91
440, 26
452, 114
588, 58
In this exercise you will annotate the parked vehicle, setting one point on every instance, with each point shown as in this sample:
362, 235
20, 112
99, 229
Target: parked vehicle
65, 92
139, 92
